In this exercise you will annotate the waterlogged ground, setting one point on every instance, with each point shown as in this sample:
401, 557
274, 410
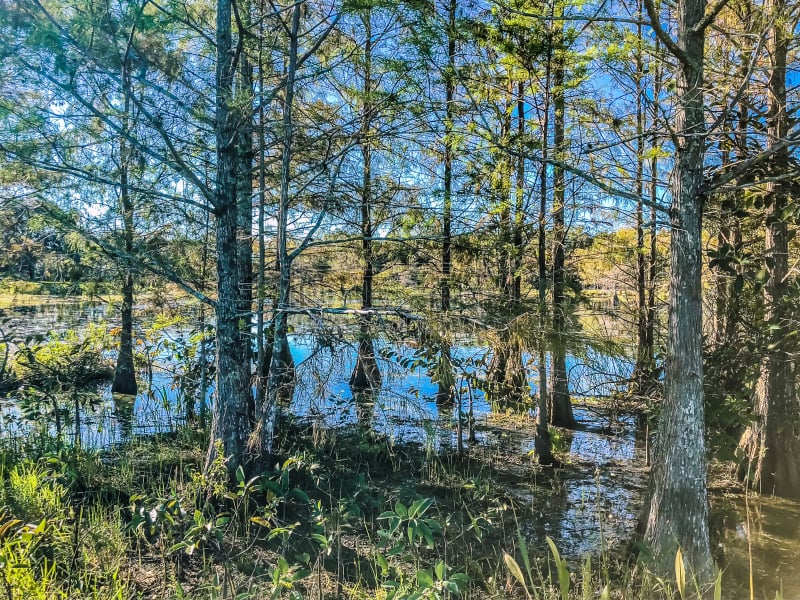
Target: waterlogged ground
759, 535
590, 506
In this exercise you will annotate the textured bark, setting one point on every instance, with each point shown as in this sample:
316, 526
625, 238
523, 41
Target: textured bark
125, 372
543, 444
507, 377
366, 374
244, 201
678, 509
231, 418
444, 394
643, 366
772, 442
644, 377
230, 424
279, 374
560, 402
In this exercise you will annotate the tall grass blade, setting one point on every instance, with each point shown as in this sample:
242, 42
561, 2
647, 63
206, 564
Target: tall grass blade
561, 567
680, 573
513, 567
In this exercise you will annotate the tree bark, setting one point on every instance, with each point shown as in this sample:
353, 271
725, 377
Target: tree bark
506, 372
230, 424
561, 405
366, 374
641, 377
678, 509
444, 394
653, 248
543, 443
125, 372
279, 374
244, 200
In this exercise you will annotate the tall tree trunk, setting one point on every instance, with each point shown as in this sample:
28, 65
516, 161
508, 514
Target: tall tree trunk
278, 376
262, 361
678, 509
772, 442
244, 199
640, 378
543, 443
444, 394
506, 372
561, 405
649, 341
366, 374
518, 227
125, 372
231, 424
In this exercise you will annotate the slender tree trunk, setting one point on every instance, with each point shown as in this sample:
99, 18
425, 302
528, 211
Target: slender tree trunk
543, 444
561, 405
201, 324
641, 372
366, 374
678, 515
278, 375
244, 198
262, 364
518, 227
772, 442
445, 389
125, 372
231, 424
650, 324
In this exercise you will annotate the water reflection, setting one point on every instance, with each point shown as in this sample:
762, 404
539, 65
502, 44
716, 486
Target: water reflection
762, 532
123, 413
598, 503
595, 504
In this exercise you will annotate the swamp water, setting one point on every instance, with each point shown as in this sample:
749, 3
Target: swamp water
596, 500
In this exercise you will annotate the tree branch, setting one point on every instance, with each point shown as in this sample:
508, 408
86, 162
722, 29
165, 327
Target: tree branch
666, 38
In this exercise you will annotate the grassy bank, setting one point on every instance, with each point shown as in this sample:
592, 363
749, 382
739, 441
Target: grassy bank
343, 514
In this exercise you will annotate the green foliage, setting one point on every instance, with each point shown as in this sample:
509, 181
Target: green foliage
33, 493
411, 524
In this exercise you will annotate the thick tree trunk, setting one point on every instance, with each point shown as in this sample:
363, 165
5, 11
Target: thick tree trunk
507, 377
231, 418
124, 372
678, 510
560, 402
231, 423
506, 372
772, 442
